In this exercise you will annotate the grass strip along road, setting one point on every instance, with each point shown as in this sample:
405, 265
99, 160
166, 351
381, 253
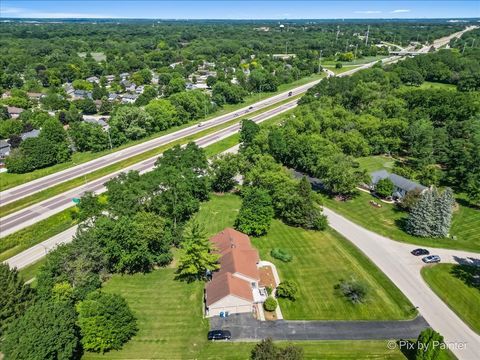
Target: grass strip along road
9, 180
116, 166
15, 244
51, 206
25, 190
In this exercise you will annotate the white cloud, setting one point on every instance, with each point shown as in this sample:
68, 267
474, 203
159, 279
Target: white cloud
27, 13
368, 12
401, 11
10, 10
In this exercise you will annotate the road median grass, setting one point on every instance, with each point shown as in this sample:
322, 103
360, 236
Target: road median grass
388, 221
458, 287
71, 184
29, 236
9, 180
21, 240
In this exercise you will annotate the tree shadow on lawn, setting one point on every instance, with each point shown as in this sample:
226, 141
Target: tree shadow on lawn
468, 204
468, 273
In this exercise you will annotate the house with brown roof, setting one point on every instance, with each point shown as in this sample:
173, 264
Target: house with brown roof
234, 288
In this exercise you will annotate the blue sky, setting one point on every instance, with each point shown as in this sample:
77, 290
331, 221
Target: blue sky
239, 9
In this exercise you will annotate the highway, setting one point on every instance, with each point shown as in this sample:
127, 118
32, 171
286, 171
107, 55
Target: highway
44, 209
41, 210
34, 186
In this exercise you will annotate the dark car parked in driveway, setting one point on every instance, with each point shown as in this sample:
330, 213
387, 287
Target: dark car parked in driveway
431, 259
418, 252
219, 335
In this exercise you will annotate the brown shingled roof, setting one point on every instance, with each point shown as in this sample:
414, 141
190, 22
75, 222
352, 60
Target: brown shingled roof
230, 239
240, 261
226, 284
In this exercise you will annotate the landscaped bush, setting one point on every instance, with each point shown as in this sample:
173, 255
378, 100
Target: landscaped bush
270, 304
269, 290
353, 290
281, 255
287, 289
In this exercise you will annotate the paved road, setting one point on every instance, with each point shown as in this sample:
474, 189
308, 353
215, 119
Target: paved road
44, 209
395, 260
45, 182
244, 328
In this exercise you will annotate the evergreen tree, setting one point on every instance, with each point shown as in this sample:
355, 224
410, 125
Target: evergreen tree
197, 255
428, 345
431, 216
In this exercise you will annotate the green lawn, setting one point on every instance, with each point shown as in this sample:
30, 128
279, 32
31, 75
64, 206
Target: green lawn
377, 162
15, 243
434, 85
321, 259
388, 221
9, 180
171, 325
463, 299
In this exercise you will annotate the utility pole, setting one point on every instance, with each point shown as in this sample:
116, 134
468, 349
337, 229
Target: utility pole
366, 38
473, 42
338, 32
356, 47
320, 62
286, 52
464, 45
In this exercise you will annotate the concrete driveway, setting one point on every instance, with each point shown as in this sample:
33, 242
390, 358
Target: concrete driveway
395, 260
245, 328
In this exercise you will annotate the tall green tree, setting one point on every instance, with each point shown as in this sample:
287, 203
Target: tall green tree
256, 212
197, 256
16, 296
106, 322
46, 331
428, 345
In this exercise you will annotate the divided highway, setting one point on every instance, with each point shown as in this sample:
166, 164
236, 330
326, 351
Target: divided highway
46, 208
32, 187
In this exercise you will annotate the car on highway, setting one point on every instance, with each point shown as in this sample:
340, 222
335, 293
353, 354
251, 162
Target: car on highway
250, 107
219, 335
290, 93
420, 251
431, 259
200, 124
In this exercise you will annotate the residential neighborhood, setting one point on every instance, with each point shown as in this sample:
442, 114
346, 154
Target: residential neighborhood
239, 180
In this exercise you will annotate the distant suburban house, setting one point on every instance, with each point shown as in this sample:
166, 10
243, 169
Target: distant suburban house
129, 86
113, 97
14, 111
102, 121
81, 94
35, 95
30, 134
401, 184
129, 98
69, 89
4, 151
140, 89
124, 76
93, 79
235, 288
110, 78
6, 95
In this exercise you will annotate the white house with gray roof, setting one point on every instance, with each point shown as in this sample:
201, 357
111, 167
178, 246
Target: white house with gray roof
401, 184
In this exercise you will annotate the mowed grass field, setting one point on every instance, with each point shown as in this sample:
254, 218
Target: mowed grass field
321, 260
463, 299
376, 162
169, 312
388, 221
171, 326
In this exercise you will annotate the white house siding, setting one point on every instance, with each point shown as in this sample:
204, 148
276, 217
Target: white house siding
232, 304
